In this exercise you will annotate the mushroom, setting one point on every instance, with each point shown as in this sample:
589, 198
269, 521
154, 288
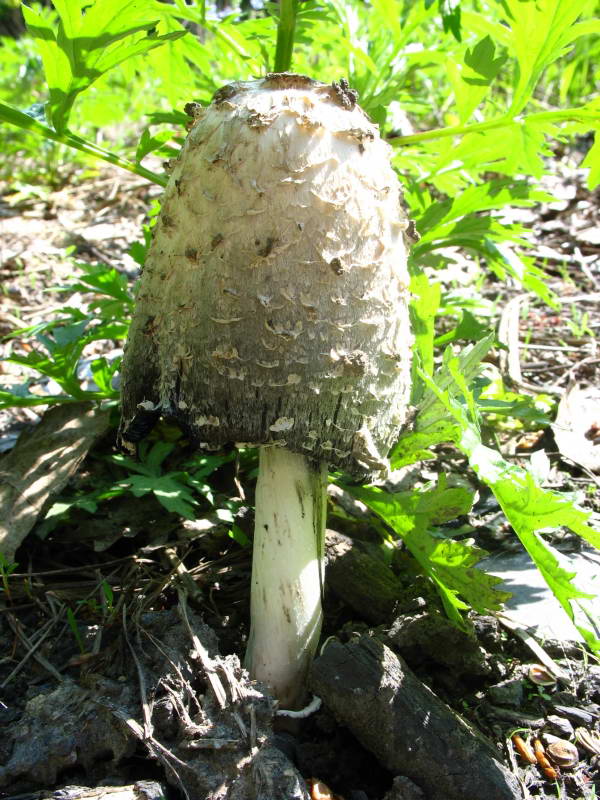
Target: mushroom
273, 312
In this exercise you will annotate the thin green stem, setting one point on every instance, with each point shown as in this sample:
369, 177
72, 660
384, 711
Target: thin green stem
285, 35
24, 121
566, 115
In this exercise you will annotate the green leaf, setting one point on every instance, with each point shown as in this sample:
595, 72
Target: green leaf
204, 465
472, 80
103, 374
238, 535
150, 144
450, 564
60, 364
592, 162
494, 194
175, 498
169, 492
104, 280
525, 145
231, 42
432, 424
482, 62
468, 328
154, 457
542, 31
528, 507
129, 464
425, 301
90, 39
451, 17
64, 335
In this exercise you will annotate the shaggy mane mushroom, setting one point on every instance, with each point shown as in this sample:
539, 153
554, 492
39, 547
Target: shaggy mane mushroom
273, 312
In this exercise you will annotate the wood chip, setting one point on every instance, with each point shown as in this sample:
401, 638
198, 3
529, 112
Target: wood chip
41, 464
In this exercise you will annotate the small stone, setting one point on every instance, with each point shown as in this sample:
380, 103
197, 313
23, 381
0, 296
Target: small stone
576, 715
498, 668
404, 789
560, 725
430, 635
507, 693
593, 682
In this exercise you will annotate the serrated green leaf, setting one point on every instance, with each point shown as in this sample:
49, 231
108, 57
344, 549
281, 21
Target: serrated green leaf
425, 301
482, 62
472, 80
88, 42
503, 260
103, 373
542, 31
55, 60
128, 463
108, 281
450, 564
65, 335
468, 328
175, 498
451, 17
432, 424
229, 34
492, 195
525, 145
149, 143
413, 446
592, 162
431, 409
528, 507
61, 366
153, 458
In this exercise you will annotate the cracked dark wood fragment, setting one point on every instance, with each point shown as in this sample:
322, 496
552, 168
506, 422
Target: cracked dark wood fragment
406, 726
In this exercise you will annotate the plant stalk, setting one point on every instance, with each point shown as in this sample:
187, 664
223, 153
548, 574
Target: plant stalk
287, 563
563, 115
286, 29
24, 121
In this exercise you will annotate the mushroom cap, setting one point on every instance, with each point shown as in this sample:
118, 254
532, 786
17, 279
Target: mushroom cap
273, 306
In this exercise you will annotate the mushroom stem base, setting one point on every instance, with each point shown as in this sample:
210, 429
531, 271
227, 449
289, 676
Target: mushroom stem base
287, 571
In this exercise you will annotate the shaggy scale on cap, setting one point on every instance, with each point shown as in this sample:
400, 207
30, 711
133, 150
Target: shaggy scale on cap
273, 307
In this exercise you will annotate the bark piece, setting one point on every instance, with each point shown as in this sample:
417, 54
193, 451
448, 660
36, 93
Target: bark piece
430, 635
409, 730
140, 790
40, 465
363, 582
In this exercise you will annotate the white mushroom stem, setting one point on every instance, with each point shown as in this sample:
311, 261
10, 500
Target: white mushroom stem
287, 572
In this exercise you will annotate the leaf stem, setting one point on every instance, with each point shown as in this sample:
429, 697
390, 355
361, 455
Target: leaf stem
285, 35
568, 114
21, 120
